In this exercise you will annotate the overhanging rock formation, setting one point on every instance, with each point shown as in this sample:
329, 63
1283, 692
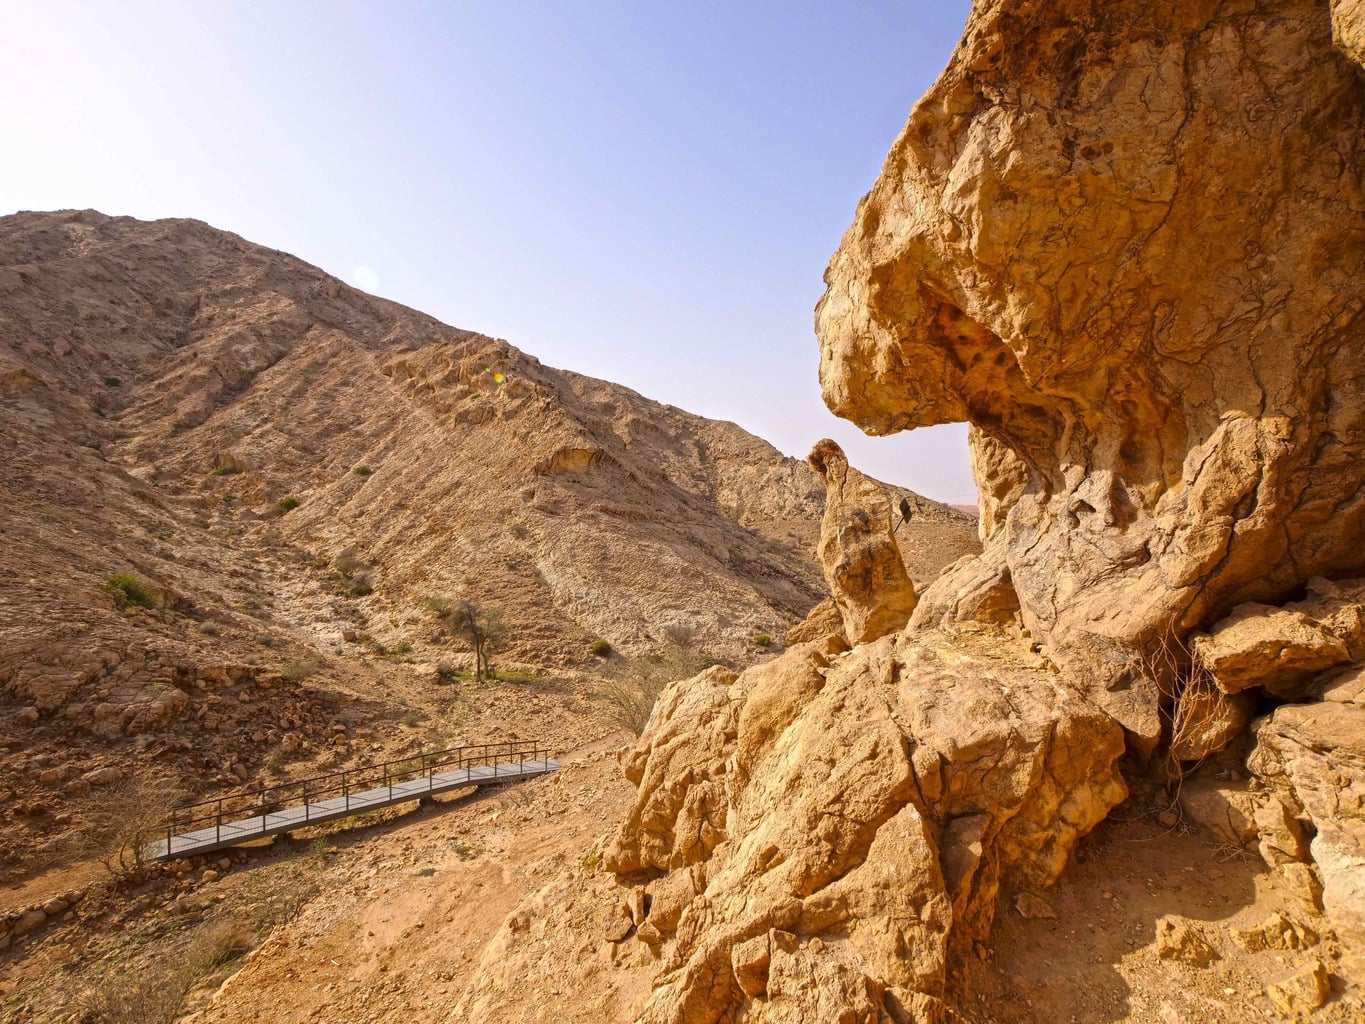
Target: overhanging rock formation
1126, 242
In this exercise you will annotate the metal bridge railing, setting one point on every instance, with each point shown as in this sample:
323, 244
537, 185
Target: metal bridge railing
263, 801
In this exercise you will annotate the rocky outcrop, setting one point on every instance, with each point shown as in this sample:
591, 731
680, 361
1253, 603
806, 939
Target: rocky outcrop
1313, 755
822, 620
1122, 242
1277, 649
1155, 448
569, 460
826, 836
1281, 650
828, 833
858, 551
1348, 28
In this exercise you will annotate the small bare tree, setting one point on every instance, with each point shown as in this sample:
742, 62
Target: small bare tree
120, 820
482, 629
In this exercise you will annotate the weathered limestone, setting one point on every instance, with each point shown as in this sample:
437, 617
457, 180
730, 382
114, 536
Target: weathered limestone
1348, 28
1302, 993
1179, 939
858, 551
1121, 242
872, 803
822, 620
1277, 649
1314, 756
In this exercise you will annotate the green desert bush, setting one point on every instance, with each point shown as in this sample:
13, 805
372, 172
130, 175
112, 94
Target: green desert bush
287, 504
128, 592
356, 577
482, 629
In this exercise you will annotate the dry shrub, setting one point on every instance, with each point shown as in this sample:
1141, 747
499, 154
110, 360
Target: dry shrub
629, 690
299, 669
133, 997
217, 944
1171, 665
156, 996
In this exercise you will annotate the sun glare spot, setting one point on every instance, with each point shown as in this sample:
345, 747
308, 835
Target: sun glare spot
365, 277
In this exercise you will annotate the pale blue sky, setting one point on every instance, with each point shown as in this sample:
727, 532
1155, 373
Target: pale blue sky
644, 192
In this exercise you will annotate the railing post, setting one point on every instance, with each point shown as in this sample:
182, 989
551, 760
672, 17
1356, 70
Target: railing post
305, 800
218, 829
346, 791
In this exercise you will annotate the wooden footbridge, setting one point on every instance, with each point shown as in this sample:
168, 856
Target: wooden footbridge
268, 811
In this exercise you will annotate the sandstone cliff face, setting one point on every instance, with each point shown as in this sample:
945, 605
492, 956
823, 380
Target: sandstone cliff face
1124, 242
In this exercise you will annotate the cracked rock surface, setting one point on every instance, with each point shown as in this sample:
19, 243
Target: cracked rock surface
827, 833
1124, 242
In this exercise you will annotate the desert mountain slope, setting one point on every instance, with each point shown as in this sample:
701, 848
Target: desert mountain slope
172, 350
181, 350
164, 385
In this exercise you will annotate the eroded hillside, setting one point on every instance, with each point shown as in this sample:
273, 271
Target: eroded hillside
286, 470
